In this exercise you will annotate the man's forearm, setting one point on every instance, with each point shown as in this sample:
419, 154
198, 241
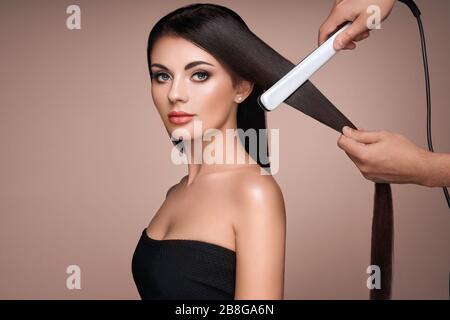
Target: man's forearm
438, 170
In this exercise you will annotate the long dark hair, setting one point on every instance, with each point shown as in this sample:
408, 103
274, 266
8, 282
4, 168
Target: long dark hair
224, 34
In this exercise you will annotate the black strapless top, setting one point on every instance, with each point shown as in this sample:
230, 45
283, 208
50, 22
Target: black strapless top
183, 269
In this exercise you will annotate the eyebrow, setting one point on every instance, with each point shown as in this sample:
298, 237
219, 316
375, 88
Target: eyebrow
188, 66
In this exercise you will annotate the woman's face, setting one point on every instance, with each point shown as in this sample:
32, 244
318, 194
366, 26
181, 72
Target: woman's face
185, 78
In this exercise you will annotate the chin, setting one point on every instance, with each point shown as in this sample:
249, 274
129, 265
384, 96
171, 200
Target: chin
182, 132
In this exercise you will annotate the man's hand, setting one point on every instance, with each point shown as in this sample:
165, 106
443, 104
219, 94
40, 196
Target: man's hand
354, 11
383, 156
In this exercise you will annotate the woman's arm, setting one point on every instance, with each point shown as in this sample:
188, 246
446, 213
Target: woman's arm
260, 240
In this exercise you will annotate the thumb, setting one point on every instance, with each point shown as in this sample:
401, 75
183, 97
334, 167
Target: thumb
347, 36
352, 147
362, 136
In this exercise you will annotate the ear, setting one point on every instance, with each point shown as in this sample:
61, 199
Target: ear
244, 89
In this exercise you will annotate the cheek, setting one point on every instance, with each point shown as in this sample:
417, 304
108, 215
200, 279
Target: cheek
212, 103
157, 97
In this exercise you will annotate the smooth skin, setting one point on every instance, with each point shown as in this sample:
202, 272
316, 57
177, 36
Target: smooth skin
230, 205
384, 156
381, 156
356, 12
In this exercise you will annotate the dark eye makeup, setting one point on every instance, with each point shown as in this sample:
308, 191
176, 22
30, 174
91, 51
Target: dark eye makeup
203, 76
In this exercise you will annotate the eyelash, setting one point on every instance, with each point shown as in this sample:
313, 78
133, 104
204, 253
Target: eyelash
156, 75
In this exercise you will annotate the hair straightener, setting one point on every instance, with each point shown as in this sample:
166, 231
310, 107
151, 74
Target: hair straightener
283, 88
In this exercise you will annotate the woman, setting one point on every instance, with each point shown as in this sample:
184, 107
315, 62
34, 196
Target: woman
220, 233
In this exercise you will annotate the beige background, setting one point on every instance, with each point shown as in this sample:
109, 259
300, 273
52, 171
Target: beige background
85, 159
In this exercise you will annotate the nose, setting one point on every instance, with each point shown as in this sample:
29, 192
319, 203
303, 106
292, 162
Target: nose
178, 90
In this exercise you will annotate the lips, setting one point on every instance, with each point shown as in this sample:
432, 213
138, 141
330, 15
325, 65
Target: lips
180, 117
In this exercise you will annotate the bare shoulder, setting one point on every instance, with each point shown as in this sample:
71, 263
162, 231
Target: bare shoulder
254, 190
257, 196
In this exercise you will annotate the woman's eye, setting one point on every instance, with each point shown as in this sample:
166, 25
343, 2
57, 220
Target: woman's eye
203, 75
157, 76
163, 77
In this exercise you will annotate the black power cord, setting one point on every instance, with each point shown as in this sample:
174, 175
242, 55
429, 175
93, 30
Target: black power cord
416, 12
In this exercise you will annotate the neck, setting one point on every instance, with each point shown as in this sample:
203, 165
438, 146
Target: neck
217, 152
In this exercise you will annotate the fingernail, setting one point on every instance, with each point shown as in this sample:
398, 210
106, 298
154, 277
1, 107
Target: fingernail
339, 44
347, 130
